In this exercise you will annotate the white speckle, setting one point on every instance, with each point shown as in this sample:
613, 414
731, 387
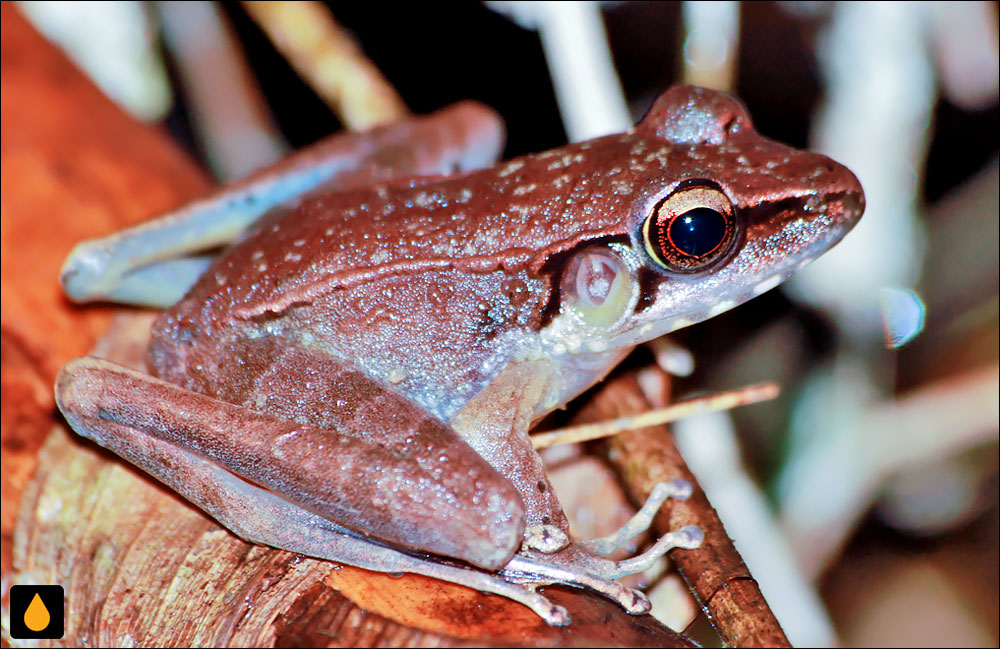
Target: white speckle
292, 256
396, 375
767, 284
680, 323
646, 328
298, 243
257, 254
329, 232
562, 180
464, 195
802, 264
510, 167
262, 268
524, 189
567, 160
621, 187
720, 307
597, 346
520, 210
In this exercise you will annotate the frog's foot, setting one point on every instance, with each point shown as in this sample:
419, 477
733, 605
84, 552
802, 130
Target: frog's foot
577, 566
605, 545
526, 570
583, 563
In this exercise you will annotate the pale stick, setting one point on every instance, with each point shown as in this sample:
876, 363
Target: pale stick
723, 401
330, 62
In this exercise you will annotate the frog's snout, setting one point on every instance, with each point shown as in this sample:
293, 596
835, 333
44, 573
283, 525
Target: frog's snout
845, 197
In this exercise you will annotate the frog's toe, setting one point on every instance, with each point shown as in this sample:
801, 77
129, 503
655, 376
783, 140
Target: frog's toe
688, 537
643, 519
555, 615
546, 539
585, 573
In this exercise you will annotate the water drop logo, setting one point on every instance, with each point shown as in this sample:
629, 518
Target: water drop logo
37, 612
37, 616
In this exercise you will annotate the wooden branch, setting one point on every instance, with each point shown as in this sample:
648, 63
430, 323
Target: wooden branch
140, 566
714, 572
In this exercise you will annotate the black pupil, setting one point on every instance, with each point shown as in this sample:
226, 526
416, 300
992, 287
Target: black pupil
698, 232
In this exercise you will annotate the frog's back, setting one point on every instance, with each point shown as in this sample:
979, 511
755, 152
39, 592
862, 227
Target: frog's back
440, 280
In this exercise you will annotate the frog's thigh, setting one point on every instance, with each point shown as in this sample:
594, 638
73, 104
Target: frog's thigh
154, 264
258, 516
445, 499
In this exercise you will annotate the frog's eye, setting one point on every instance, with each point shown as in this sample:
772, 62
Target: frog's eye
690, 229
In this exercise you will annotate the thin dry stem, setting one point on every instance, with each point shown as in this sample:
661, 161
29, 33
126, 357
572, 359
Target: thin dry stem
723, 401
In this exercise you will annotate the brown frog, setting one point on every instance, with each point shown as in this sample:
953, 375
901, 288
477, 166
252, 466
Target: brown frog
355, 377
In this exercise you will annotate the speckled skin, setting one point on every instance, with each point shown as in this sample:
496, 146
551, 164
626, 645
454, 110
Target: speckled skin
363, 274
426, 317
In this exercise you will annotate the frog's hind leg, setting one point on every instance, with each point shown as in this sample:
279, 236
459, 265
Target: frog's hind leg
155, 263
401, 487
606, 545
259, 516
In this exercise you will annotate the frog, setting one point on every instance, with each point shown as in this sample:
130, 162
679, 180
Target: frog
355, 376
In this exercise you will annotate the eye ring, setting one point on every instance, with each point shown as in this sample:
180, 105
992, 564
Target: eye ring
690, 229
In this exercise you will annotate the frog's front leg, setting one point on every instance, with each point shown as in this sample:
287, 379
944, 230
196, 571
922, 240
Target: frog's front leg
495, 422
155, 263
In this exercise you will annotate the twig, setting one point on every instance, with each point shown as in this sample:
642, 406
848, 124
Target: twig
329, 61
715, 572
659, 416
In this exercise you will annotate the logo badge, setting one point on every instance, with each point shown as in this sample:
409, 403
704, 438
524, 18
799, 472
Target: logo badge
37, 612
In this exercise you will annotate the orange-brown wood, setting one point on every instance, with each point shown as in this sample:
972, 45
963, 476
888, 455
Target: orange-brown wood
715, 572
68, 172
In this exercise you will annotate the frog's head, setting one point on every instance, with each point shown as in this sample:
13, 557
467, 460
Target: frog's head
721, 215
